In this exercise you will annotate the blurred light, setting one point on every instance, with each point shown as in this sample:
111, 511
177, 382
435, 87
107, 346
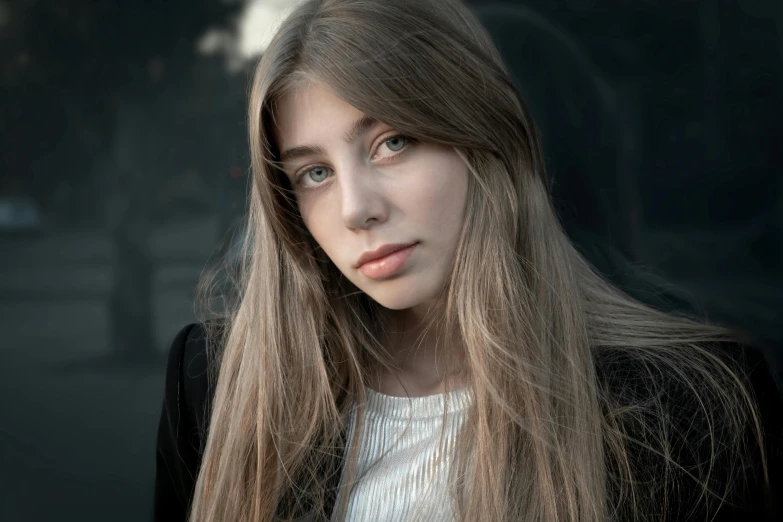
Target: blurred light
258, 23
214, 41
5, 13
18, 214
251, 32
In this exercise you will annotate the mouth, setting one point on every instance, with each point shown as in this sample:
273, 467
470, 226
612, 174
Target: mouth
389, 264
381, 252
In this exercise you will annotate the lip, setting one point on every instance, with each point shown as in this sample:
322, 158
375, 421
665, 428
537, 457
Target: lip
381, 251
388, 265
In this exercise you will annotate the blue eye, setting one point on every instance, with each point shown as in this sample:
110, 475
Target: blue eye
316, 169
402, 139
401, 143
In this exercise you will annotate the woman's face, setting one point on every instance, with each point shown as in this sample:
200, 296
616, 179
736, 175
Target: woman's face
359, 187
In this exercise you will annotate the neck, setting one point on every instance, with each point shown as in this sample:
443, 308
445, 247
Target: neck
424, 367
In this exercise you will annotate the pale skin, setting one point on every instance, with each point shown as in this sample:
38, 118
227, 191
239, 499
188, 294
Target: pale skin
378, 188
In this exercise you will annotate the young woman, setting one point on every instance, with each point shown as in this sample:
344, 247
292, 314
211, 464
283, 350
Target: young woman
414, 336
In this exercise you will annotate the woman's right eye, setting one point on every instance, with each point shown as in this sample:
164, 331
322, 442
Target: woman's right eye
305, 175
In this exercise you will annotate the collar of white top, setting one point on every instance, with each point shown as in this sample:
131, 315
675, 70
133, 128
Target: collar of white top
418, 407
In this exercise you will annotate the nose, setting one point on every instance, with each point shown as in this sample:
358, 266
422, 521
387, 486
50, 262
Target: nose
363, 201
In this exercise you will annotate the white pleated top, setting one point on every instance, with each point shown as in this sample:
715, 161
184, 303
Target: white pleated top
400, 473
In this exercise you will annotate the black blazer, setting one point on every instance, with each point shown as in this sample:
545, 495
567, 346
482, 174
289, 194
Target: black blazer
183, 423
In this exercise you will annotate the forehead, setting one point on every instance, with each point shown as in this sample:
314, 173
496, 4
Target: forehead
309, 113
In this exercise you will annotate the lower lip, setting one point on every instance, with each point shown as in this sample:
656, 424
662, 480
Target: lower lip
386, 266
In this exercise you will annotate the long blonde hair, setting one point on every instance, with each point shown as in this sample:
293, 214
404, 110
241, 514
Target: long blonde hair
573, 380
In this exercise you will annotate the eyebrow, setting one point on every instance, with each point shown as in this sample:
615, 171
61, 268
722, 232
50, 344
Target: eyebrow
354, 132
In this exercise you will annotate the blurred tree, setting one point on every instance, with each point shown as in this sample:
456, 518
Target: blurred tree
76, 78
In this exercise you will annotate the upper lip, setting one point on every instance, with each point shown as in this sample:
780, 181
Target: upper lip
381, 251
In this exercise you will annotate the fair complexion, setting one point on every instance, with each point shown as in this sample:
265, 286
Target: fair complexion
374, 188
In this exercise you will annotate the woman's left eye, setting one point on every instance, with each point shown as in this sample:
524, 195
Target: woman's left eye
396, 143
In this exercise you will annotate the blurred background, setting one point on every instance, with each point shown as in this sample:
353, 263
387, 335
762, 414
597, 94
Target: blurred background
123, 167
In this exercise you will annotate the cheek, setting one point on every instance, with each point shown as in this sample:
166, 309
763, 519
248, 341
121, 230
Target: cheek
313, 215
320, 222
439, 194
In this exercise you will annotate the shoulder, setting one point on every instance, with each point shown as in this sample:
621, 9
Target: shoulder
762, 382
188, 381
183, 421
626, 373
653, 395
753, 497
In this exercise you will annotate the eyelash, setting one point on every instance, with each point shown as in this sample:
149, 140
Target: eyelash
408, 142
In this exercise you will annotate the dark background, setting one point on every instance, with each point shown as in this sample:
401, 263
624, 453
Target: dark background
123, 166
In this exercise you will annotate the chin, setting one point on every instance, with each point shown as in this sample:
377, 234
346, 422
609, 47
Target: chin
396, 304
396, 296
392, 300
